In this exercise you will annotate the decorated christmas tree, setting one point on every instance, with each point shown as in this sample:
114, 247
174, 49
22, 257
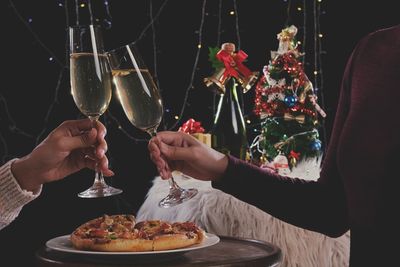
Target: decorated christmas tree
287, 105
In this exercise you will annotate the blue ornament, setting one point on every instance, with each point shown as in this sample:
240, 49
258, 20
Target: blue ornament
316, 145
290, 100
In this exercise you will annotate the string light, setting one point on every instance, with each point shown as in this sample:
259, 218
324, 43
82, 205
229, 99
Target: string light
190, 86
108, 22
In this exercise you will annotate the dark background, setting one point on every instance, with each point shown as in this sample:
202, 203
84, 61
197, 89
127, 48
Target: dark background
28, 93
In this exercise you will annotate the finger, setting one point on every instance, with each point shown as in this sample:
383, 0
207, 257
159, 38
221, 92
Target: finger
154, 149
89, 152
84, 140
175, 153
177, 138
101, 130
101, 149
165, 175
75, 127
103, 167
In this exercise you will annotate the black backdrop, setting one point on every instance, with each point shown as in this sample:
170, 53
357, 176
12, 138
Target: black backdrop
30, 79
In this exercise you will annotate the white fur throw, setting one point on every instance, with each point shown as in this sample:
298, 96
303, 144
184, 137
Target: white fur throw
222, 214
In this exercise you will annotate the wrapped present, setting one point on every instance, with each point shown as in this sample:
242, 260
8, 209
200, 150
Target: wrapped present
205, 138
195, 129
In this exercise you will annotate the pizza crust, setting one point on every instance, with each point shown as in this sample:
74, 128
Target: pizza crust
117, 245
172, 241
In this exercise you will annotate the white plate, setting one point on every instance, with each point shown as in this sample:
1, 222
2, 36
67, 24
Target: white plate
63, 243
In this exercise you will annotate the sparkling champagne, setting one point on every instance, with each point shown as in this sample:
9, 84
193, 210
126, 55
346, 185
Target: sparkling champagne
139, 98
90, 83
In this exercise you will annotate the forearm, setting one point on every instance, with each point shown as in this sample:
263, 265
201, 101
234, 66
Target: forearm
307, 204
12, 197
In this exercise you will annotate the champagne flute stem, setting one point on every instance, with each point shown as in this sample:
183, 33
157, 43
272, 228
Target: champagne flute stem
172, 184
99, 178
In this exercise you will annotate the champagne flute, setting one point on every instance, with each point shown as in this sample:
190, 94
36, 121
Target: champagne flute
91, 83
142, 104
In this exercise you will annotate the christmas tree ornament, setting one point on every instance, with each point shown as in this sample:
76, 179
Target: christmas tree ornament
217, 81
233, 67
293, 162
290, 100
294, 156
316, 145
287, 40
281, 164
299, 118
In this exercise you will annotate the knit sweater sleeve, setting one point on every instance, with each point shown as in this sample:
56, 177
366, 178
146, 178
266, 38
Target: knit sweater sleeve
12, 196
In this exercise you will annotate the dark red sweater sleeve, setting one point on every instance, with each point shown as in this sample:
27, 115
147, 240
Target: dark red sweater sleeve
315, 205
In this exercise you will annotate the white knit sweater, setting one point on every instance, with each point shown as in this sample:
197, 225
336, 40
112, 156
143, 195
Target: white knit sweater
12, 197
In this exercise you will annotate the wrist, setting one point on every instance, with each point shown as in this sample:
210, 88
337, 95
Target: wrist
221, 166
24, 173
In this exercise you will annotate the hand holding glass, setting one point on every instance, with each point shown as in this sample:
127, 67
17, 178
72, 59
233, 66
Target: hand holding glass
91, 87
142, 104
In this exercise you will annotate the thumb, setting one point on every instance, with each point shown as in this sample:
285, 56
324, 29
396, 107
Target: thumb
85, 139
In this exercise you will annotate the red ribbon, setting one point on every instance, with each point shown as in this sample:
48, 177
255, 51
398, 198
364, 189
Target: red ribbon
295, 155
233, 63
191, 127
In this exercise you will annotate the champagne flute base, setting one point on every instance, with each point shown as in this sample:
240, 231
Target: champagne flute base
100, 190
177, 196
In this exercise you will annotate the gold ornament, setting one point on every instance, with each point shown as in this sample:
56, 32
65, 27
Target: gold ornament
263, 159
217, 81
293, 161
249, 81
298, 118
286, 40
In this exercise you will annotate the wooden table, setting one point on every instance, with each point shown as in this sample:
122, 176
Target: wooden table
229, 252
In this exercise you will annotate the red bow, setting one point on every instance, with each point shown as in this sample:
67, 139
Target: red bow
191, 127
293, 154
234, 63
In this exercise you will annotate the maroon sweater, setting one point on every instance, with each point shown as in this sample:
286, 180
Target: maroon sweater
358, 188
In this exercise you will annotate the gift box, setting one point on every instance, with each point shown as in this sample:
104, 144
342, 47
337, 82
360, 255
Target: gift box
205, 138
195, 129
